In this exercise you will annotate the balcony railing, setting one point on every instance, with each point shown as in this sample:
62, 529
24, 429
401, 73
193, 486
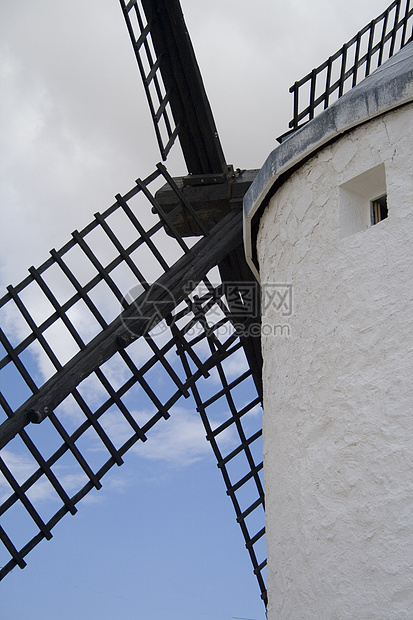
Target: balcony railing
367, 50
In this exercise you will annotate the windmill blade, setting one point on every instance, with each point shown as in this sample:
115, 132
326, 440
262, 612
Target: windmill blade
173, 84
175, 92
86, 340
113, 315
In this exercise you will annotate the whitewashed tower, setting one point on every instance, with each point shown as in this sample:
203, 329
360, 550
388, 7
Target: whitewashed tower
331, 213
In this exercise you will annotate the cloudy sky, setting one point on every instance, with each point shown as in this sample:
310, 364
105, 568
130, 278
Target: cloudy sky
75, 131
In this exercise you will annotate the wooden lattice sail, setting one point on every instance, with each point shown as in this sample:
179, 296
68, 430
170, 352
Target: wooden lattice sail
134, 291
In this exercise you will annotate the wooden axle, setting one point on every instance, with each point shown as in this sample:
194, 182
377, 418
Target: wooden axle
211, 196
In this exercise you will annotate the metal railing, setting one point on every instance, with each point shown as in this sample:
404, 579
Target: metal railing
367, 50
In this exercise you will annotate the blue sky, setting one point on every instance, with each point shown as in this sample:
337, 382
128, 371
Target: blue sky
159, 544
160, 539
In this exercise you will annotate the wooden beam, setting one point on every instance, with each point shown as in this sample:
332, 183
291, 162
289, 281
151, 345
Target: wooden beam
189, 103
164, 295
211, 197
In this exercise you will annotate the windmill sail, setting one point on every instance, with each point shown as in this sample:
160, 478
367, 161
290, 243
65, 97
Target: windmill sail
129, 304
173, 84
86, 339
180, 107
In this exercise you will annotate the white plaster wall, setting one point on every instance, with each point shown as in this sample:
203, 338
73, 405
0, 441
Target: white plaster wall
338, 402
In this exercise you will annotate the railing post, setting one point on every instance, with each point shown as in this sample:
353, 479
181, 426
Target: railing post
356, 59
394, 29
368, 59
312, 93
328, 81
405, 20
383, 34
294, 90
343, 70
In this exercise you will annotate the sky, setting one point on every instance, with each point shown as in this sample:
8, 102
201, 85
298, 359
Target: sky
159, 541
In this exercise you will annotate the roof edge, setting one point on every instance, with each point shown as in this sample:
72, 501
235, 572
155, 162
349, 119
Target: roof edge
388, 87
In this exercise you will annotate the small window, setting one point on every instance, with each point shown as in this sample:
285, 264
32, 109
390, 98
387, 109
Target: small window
359, 208
378, 209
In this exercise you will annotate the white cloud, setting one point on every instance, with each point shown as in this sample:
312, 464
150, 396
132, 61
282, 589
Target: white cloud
22, 466
180, 440
235, 365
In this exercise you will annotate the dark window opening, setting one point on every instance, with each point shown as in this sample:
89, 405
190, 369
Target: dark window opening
379, 209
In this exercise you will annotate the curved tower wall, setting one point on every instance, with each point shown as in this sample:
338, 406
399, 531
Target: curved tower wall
338, 374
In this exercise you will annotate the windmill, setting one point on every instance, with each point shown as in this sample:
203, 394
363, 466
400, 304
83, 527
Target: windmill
176, 321
151, 320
